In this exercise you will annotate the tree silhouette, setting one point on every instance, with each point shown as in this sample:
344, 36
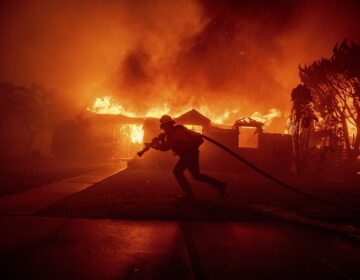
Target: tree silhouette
30, 109
302, 120
347, 80
334, 84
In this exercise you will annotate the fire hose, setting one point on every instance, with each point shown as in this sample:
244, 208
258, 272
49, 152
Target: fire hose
258, 170
276, 180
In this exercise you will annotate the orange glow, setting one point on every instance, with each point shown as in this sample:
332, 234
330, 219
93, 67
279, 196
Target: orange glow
350, 123
141, 52
351, 130
267, 118
135, 132
197, 128
157, 112
104, 105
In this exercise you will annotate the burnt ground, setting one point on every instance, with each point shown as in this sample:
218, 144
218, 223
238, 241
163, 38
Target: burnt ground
17, 175
145, 193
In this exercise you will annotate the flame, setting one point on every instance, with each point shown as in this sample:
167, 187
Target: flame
267, 118
351, 130
157, 112
105, 105
216, 118
134, 132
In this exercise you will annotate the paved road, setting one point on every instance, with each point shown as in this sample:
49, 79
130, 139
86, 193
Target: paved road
34, 247
59, 248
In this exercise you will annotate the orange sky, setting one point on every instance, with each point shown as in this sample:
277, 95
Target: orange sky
234, 55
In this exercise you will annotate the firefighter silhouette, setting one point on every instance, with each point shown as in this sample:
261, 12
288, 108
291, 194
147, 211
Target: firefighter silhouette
185, 143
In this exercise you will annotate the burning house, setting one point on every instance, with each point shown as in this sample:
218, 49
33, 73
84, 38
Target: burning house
246, 137
100, 135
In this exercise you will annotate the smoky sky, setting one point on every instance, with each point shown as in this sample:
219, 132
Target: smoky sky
235, 55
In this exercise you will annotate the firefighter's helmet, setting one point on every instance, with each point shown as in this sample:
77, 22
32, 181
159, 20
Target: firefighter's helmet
166, 119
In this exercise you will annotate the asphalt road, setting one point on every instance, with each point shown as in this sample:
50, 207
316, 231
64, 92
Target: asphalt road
130, 226
60, 248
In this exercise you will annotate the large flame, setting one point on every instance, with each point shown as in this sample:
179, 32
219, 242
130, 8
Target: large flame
267, 118
134, 132
105, 105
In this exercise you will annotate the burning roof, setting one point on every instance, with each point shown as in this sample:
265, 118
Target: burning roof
204, 116
193, 117
249, 122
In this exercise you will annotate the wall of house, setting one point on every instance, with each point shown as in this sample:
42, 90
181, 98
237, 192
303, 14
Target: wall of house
273, 152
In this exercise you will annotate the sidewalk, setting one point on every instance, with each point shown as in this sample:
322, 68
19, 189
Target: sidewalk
33, 200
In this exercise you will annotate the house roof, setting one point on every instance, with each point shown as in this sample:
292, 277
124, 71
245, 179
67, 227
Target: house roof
248, 122
193, 117
118, 119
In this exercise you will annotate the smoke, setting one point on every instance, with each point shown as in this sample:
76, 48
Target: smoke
240, 56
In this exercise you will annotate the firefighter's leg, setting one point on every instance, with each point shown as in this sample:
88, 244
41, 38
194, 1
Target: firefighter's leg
181, 179
194, 168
